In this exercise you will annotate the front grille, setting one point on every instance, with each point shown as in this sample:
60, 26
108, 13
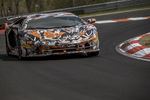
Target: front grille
87, 46
57, 51
69, 48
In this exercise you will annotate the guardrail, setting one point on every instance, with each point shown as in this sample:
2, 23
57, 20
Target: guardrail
116, 5
121, 4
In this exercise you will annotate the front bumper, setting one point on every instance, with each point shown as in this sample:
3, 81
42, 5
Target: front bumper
81, 48
63, 53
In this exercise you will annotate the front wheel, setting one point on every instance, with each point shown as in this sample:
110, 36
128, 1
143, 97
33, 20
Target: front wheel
19, 48
7, 48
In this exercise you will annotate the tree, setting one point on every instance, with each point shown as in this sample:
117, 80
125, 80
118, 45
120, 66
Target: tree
29, 5
10, 7
17, 6
2, 8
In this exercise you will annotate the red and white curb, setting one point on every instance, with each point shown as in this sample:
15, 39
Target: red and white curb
132, 48
122, 20
2, 31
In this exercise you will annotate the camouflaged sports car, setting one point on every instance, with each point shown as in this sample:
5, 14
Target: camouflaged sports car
51, 34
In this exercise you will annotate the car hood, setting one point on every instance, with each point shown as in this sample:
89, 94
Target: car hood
76, 34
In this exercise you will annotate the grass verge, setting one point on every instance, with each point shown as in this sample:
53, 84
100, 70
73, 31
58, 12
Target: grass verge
145, 41
111, 11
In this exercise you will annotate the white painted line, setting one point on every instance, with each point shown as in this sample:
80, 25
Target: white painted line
136, 38
122, 50
147, 50
122, 44
105, 21
116, 12
119, 20
137, 18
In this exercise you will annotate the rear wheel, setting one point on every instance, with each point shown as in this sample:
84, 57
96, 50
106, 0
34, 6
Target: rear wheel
19, 50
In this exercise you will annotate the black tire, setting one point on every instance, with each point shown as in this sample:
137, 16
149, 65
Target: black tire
19, 48
7, 48
93, 53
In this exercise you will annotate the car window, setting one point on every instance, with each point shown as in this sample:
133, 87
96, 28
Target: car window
51, 22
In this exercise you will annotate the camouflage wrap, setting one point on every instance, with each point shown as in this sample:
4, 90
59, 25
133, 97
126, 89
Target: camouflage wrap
55, 41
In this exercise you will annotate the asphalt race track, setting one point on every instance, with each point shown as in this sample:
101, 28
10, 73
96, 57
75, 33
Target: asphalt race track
110, 76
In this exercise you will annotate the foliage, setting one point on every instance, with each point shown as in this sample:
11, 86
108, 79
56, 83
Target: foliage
145, 41
15, 7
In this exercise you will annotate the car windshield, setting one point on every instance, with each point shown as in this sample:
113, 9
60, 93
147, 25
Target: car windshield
54, 22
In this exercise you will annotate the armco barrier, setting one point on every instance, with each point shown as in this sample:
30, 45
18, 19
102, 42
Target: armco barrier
2, 31
121, 4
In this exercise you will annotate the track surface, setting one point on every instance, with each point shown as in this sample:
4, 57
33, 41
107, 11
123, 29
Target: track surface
110, 76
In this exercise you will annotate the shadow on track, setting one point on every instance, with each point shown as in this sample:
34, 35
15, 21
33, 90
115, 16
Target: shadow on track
4, 57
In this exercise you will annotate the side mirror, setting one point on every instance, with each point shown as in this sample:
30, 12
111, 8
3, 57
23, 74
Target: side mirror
3, 26
91, 21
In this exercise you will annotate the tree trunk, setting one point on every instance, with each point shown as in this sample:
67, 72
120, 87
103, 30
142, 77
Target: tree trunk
28, 4
2, 8
17, 6
10, 7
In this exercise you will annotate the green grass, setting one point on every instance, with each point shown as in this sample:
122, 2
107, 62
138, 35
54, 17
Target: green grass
145, 41
111, 11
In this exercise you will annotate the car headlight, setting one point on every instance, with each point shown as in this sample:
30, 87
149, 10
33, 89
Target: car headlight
96, 37
91, 35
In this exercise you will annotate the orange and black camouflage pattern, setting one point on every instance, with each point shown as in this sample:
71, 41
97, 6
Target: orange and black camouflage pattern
76, 39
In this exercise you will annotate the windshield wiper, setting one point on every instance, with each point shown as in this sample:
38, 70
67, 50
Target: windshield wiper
64, 26
59, 27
